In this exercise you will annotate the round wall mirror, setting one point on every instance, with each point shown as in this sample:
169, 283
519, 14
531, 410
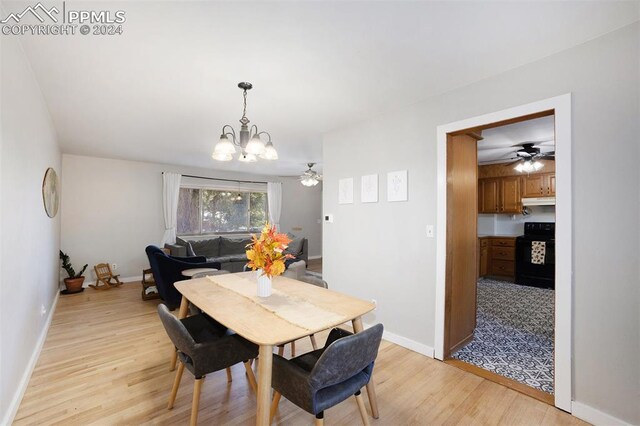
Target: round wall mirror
50, 192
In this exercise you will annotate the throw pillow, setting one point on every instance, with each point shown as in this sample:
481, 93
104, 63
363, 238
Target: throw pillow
295, 246
187, 244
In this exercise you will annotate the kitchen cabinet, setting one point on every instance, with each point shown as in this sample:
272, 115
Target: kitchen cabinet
502, 262
497, 257
539, 185
483, 257
552, 184
499, 195
510, 195
489, 196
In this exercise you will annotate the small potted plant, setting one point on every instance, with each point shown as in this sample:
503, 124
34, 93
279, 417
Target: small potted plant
74, 281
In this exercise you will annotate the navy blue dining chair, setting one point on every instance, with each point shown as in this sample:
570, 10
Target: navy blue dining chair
167, 270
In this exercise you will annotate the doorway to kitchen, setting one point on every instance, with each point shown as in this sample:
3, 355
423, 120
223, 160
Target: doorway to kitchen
515, 269
497, 313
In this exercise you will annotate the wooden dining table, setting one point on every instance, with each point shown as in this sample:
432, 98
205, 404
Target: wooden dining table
294, 310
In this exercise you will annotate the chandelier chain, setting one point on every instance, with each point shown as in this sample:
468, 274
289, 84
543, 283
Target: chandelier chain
244, 110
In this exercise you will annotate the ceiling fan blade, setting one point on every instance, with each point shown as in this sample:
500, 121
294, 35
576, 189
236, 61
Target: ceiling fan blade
532, 143
511, 163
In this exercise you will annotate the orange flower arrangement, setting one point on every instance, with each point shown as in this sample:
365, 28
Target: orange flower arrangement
267, 252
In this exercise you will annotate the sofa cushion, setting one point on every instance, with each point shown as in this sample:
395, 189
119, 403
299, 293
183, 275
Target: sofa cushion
295, 246
229, 246
206, 248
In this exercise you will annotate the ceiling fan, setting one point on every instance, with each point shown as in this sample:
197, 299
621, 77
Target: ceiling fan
310, 177
530, 151
527, 157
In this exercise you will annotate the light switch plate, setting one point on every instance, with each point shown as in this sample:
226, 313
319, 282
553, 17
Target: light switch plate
430, 231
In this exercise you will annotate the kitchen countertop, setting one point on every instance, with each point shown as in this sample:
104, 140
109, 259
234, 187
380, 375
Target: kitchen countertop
498, 235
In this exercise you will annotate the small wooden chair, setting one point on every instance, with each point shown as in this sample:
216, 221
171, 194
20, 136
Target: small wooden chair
105, 276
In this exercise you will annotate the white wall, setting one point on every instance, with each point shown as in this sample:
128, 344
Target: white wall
503, 224
30, 239
112, 209
302, 208
381, 251
514, 225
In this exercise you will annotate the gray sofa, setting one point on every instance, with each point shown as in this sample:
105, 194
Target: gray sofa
230, 252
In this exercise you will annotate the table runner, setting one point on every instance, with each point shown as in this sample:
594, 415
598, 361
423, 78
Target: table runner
297, 311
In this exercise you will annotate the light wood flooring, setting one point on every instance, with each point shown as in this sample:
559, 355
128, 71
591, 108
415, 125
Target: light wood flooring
315, 265
106, 361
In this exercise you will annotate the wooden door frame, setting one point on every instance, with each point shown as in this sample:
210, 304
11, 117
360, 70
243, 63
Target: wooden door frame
563, 340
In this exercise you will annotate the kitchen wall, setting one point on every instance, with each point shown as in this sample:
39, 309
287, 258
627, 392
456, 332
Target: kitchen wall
29, 265
112, 209
502, 224
380, 250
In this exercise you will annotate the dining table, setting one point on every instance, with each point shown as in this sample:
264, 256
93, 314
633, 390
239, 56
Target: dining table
294, 310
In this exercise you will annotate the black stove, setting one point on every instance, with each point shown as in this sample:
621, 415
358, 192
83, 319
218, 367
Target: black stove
536, 255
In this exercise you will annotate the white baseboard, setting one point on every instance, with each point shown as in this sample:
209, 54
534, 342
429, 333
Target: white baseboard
315, 257
123, 279
26, 376
406, 343
594, 416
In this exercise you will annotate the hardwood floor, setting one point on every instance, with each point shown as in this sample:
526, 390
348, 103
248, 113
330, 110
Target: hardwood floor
106, 361
315, 265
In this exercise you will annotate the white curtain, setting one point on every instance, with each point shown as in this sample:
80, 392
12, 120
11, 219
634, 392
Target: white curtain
274, 199
170, 193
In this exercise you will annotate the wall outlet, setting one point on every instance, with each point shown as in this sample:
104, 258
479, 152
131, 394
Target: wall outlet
43, 310
430, 231
114, 266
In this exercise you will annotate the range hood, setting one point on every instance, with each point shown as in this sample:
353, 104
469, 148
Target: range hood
539, 201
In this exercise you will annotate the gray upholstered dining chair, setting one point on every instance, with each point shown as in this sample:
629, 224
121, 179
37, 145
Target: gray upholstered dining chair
204, 347
309, 279
323, 378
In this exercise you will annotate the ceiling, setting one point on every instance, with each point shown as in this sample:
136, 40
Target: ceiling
497, 145
162, 91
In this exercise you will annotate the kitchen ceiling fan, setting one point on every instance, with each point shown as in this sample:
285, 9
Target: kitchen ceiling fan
528, 156
532, 151
310, 177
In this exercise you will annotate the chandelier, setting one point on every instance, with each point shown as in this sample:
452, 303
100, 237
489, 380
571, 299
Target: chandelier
310, 177
248, 141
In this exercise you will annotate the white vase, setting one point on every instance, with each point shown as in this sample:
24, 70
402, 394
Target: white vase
264, 284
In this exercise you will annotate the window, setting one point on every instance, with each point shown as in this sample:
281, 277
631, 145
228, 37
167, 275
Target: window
220, 211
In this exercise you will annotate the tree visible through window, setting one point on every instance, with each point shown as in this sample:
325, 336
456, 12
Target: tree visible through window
212, 211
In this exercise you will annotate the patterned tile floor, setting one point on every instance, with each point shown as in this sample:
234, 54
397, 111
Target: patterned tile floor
514, 333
